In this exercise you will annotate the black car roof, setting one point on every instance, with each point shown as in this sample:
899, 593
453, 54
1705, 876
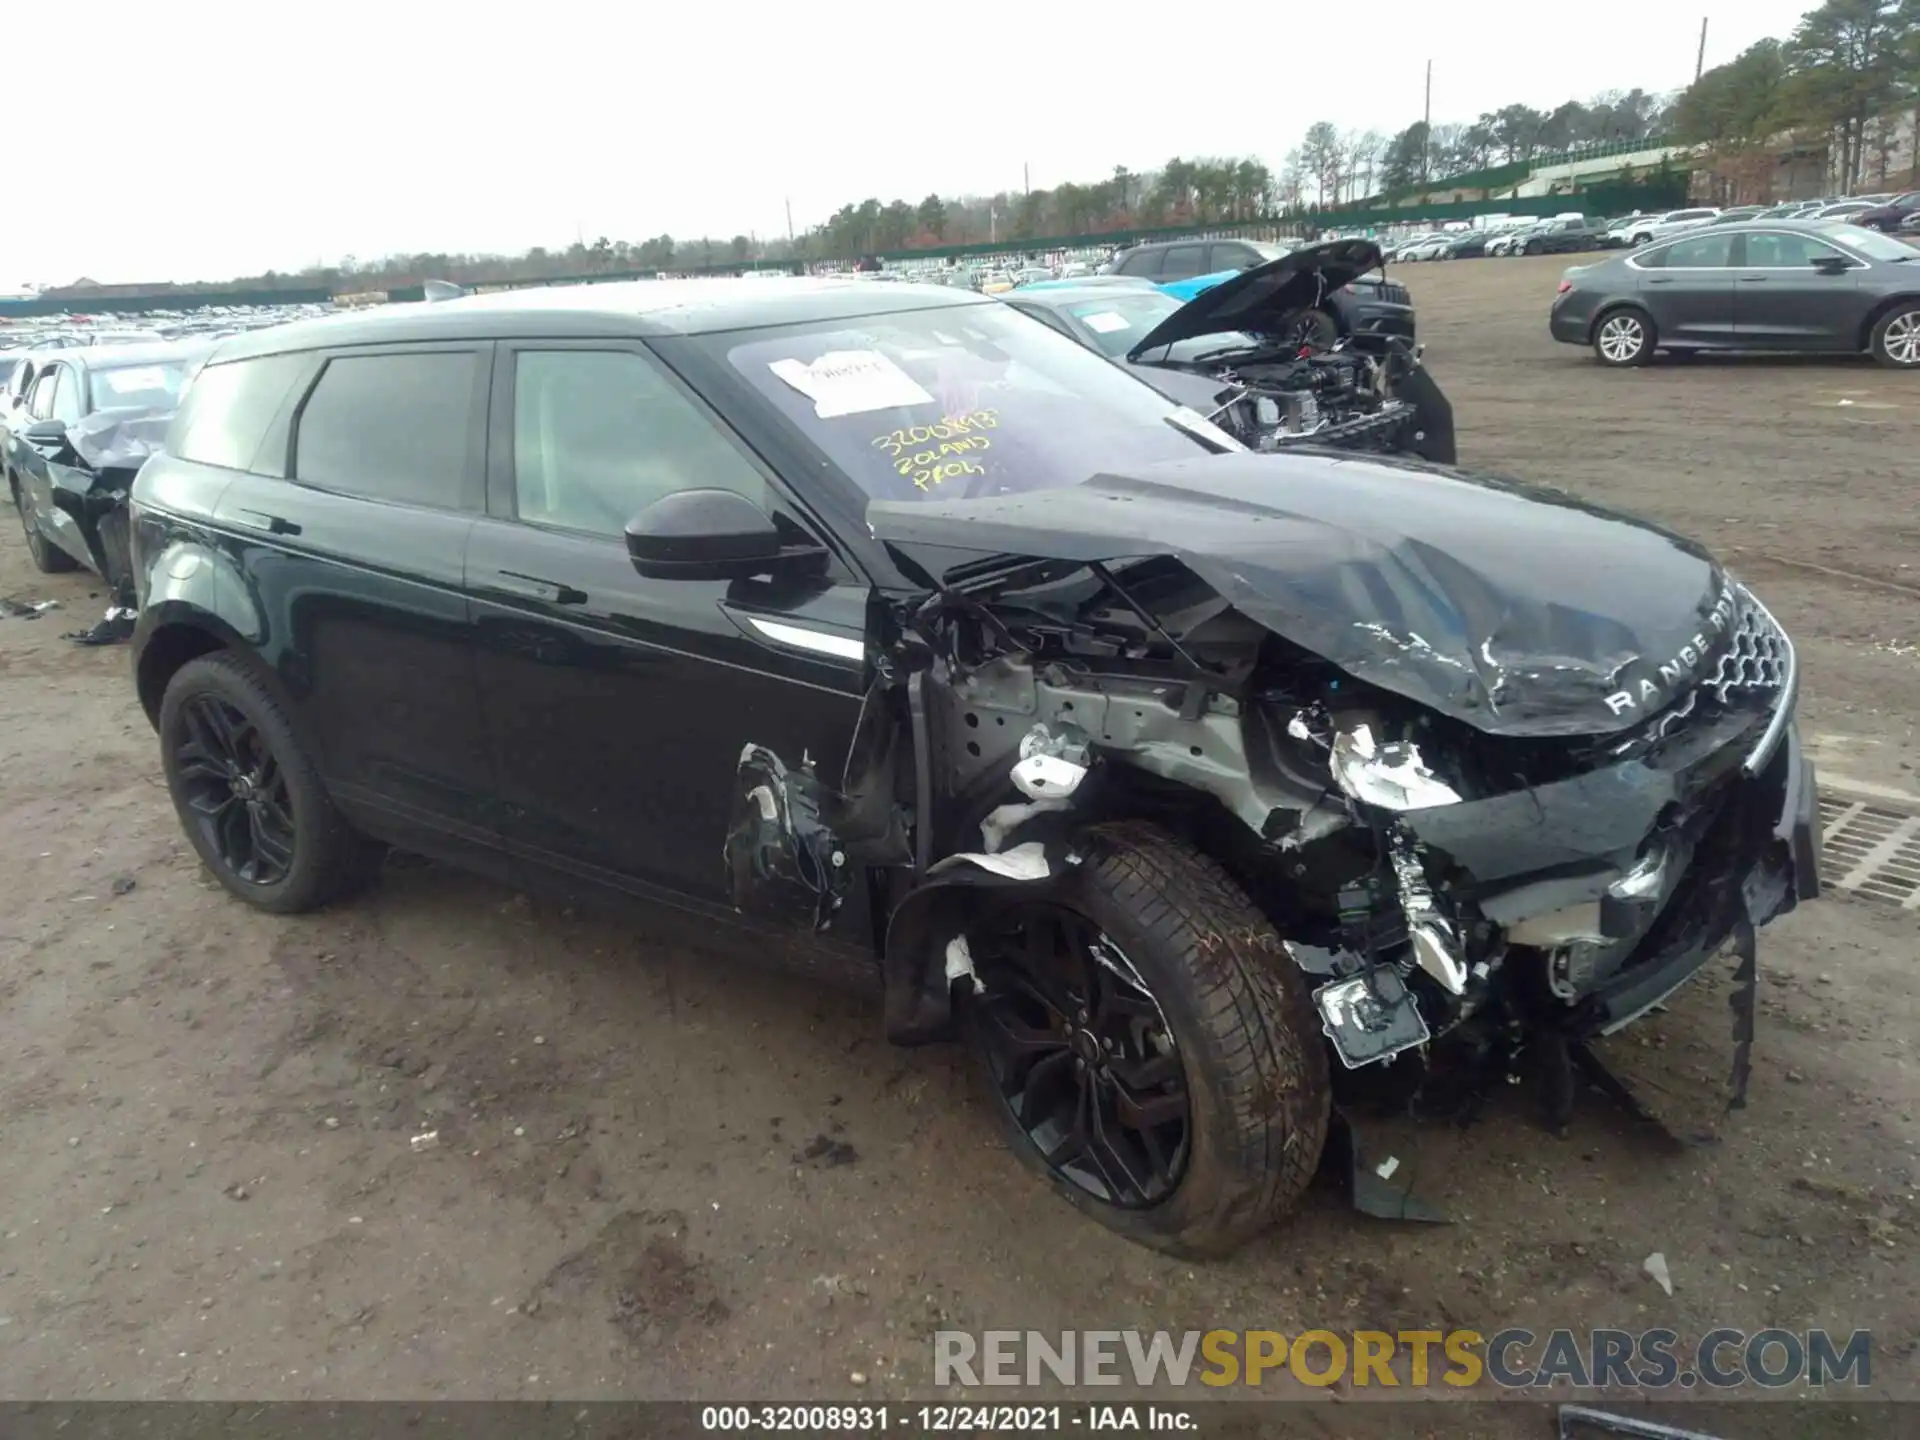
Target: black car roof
619, 308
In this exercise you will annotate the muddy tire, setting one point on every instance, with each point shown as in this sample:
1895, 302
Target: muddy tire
1624, 337
1251, 1061
48, 558
1895, 341
248, 795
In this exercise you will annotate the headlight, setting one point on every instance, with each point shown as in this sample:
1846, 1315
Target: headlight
1393, 776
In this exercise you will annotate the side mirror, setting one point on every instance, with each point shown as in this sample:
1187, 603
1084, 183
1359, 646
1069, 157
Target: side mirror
46, 432
709, 535
1830, 264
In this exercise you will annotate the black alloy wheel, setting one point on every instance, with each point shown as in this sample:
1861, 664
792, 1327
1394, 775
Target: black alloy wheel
248, 794
235, 790
1082, 1057
1146, 1043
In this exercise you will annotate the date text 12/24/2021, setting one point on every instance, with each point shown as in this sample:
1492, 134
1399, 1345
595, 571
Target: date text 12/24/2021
944, 1419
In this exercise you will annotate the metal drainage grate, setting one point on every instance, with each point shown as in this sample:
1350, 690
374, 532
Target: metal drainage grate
1871, 852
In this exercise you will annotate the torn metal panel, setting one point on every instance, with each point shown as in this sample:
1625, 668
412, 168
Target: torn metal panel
783, 861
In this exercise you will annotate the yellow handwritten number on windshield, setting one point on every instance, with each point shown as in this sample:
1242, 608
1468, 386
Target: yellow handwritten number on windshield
928, 453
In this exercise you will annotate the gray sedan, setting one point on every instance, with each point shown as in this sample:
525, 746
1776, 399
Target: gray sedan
1794, 285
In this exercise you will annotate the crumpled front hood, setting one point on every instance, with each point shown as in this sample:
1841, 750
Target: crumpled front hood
1261, 298
1518, 610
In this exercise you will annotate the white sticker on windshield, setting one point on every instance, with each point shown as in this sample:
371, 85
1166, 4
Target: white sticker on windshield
1106, 322
851, 382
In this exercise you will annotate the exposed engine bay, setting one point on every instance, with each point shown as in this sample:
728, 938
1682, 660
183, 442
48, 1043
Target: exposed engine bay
1270, 389
1285, 395
1476, 792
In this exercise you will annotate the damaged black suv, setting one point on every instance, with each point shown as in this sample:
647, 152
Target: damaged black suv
1183, 781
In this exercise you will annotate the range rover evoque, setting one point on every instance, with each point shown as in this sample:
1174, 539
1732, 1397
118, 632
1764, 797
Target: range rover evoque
1187, 784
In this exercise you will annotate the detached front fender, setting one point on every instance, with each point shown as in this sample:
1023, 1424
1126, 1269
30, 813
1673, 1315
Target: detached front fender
919, 990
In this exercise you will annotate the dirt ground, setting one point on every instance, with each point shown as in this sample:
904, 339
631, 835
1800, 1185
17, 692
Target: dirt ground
662, 1172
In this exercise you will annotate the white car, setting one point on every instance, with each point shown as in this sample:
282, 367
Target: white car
1509, 242
1644, 228
1425, 247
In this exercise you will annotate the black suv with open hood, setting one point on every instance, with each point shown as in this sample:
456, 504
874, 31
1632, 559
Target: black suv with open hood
1190, 785
1244, 354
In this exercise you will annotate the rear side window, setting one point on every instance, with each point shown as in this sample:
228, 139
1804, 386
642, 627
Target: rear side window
1183, 262
1140, 262
229, 409
390, 427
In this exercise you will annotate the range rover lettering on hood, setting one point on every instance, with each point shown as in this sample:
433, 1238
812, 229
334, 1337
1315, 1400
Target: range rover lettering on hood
1518, 610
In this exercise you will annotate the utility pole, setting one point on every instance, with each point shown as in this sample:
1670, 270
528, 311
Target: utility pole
1700, 60
789, 222
1026, 178
1426, 125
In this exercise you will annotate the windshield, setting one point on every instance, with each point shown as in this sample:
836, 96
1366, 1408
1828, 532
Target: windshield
153, 386
1871, 243
958, 402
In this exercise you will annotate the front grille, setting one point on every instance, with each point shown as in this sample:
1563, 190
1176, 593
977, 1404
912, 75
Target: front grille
1394, 294
1752, 668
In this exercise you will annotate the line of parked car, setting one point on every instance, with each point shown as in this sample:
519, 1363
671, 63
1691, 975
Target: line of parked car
1889, 213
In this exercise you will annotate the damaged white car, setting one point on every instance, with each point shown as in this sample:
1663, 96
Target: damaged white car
1189, 784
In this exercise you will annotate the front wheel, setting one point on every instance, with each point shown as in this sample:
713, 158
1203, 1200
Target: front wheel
1149, 1047
48, 558
1314, 330
1624, 337
1896, 338
1533, 249
248, 795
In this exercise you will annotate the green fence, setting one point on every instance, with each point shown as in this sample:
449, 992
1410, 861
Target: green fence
157, 300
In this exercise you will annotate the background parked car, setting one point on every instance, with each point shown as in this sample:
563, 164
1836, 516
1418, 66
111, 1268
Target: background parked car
1737, 214
1645, 228
1428, 247
1804, 285
1557, 237
1509, 242
1471, 246
1167, 260
1887, 216
91, 419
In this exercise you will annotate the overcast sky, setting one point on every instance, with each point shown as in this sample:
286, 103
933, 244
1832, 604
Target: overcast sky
203, 139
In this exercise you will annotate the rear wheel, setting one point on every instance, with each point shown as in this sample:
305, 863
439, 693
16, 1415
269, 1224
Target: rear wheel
1149, 1047
1533, 247
1624, 337
248, 796
1896, 338
48, 558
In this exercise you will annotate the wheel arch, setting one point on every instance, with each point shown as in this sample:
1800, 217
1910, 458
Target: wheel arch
1614, 307
1880, 312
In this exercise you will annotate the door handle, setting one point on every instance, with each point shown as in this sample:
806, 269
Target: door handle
533, 587
1752, 279
274, 524
1659, 280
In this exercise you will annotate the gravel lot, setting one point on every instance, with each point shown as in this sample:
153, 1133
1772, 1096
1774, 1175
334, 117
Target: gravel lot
208, 1189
